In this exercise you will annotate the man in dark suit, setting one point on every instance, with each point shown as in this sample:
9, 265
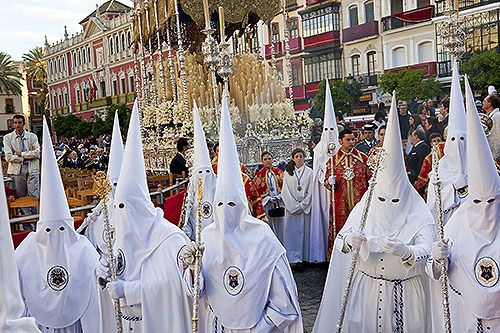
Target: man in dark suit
72, 161
417, 154
178, 163
369, 140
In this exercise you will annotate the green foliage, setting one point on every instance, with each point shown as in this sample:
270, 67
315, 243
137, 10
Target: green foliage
344, 95
36, 72
482, 69
71, 125
10, 79
410, 84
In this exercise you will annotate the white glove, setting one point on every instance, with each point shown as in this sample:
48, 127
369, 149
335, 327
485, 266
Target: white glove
116, 289
355, 239
331, 180
440, 250
188, 254
102, 270
396, 248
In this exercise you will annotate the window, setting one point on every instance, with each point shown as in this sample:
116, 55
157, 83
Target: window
111, 46
79, 57
131, 83
38, 109
84, 57
10, 124
297, 74
396, 6
54, 102
371, 61
60, 101
369, 12
117, 44
66, 100
325, 66
103, 88
320, 21
398, 57
275, 32
9, 105
74, 59
123, 42
293, 29
423, 3
353, 16
88, 54
129, 38
78, 97
355, 65
123, 85
115, 88
425, 51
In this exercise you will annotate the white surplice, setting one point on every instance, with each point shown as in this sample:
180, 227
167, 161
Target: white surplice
297, 195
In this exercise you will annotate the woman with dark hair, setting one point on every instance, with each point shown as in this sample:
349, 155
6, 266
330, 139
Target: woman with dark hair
296, 194
432, 128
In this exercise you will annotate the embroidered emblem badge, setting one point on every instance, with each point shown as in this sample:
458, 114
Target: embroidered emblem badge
487, 272
57, 278
112, 232
206, 209
233, 280
348, 173
120, 262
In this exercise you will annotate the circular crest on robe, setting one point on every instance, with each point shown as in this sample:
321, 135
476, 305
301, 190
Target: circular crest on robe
206, 209
57, 278
105, 236
486, 272
120, 262
233, 280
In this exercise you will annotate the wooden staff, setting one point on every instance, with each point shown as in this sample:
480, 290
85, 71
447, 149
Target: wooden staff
377, 164
102, 189
436, 181
197, 262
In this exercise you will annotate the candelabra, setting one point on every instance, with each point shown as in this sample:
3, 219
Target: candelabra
225, 64
211, 56
288, 58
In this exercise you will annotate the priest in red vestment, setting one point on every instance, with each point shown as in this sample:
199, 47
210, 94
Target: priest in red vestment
350, 181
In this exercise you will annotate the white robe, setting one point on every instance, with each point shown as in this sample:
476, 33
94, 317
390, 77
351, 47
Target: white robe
157, 302
297, 213
282, 313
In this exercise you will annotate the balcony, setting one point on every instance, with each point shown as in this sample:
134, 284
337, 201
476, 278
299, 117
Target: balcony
60, 111
429, 67
327, 39
295, 45
313, 2
278, 50
365, 30
441, 5
366, 80
408, 18
105, 101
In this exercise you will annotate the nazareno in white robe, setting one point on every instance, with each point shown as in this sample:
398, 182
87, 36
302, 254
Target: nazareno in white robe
282, 313
297, 213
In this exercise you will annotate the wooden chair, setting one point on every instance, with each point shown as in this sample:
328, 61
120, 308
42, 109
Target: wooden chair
73, 203
16, 207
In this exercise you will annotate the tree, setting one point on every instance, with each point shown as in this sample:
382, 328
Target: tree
105, 126
410, 84
10, 79
482, 69
36, 72
344, 95
66, 125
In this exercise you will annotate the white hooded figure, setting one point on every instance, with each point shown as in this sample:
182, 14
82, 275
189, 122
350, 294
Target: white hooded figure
389, 292
321, 197
56, 264
473, 247
247, 284
202, 171
11, 303
452, 166
149, 272
95, 220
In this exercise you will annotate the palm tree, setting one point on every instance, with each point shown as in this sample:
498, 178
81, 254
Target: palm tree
37, 73
9, 75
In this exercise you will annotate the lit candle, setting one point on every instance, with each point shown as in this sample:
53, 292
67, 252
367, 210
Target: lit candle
207, 13
455, 5
221, 23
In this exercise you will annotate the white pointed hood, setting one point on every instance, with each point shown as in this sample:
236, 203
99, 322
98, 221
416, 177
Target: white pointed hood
115, 153
11, 302
203, 171
240, 251
56, 264
396, 210
137, 221
453, 165
474, 228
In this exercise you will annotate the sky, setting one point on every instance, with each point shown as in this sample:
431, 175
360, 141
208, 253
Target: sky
25, 23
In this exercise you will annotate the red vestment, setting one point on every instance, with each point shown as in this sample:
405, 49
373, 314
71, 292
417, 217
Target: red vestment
352, 174
423, 178
262, 184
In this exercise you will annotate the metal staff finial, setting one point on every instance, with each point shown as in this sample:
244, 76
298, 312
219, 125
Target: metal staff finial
440, 232
453, 33
377, 163
330, 150
102, 188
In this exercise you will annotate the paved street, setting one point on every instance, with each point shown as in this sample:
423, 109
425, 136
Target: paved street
310, 283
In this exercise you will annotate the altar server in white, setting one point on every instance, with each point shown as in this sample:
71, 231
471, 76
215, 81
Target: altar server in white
453, 164
11, 303
473, 247
56, 264
147, 246
202, 171
321, 197
248, 284
390, 290
296, 194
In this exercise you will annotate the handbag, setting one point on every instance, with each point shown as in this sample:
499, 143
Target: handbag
276, 211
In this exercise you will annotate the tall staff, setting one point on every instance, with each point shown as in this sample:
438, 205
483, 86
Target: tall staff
331, 153
436, 181
102, 189
376, 163
197, 259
